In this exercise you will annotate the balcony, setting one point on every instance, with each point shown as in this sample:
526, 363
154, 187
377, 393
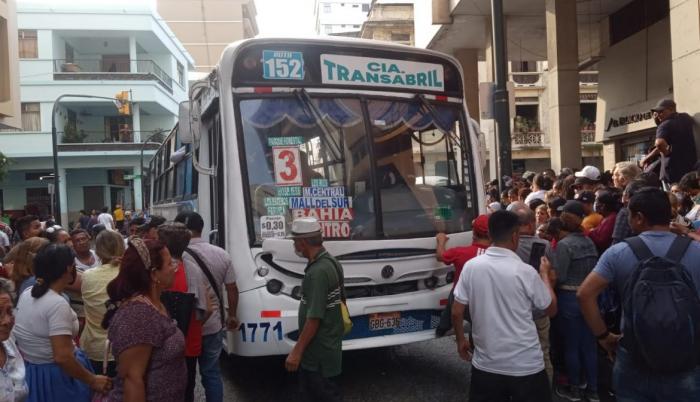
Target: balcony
527, 79
588, 78
95, 69
588, 136
524, 139
100, 140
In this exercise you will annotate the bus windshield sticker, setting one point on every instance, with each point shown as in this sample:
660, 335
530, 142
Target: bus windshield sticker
333, 229
320, 202
291, 191
284, 141
272, 226
277, 210
283, 65
367, 71
443, 213
325, 214
287, 166
276, 202
319, 183
324, 191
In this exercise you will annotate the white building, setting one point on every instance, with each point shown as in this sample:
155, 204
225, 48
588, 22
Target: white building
97, 50
340, 17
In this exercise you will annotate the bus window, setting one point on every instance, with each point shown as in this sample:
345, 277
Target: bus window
419, 178
298, 166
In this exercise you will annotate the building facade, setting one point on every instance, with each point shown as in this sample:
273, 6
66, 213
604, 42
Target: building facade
391, 21
9, 67
338, 17
99, 51
206, 27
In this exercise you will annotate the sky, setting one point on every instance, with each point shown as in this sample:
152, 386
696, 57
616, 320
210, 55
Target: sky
285, 17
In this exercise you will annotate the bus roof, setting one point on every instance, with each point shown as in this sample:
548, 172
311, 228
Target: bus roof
347, 48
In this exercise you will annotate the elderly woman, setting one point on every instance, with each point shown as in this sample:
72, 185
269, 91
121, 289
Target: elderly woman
624, 173
57, 371
148, 347
13, 387
110, 248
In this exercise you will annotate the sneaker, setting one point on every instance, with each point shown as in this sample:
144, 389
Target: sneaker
568, 392
591, 396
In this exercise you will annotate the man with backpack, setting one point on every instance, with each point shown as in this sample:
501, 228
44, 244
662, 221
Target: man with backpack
657, 277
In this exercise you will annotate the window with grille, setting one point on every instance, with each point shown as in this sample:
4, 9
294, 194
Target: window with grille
28, 47
31, 116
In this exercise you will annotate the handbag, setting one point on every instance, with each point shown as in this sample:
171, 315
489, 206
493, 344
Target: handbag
344, 312
180, 306
96, 396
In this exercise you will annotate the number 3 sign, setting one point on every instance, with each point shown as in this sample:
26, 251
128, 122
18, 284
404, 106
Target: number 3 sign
287, 166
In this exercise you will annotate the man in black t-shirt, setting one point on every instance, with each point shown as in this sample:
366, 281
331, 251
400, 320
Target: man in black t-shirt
675, 142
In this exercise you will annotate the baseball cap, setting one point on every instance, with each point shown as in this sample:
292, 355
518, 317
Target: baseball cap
589, 172
556, 203
480, 225
587, 197
664, 104
573, 207
529, 175
305, 227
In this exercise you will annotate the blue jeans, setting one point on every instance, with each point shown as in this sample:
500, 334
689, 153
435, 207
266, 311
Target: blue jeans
580, 349
635, 384
209, 368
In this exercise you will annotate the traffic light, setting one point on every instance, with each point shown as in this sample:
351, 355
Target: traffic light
123, 103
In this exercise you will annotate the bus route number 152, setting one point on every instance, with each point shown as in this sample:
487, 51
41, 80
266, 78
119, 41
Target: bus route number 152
283, 65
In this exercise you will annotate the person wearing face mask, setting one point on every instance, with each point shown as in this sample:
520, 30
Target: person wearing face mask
317, 355
607, 204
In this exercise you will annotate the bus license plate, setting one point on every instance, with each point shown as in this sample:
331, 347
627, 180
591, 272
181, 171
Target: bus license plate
382, 321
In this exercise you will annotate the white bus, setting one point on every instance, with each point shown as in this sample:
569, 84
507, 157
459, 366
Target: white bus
370, 138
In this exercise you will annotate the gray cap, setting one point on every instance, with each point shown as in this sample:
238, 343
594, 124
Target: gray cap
664, 104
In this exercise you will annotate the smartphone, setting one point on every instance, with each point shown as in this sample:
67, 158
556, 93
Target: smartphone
536, 254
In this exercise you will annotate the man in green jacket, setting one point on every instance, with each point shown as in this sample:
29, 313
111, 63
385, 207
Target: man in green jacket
319, 348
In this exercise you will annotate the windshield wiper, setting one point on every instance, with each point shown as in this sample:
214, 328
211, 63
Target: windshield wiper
306, 101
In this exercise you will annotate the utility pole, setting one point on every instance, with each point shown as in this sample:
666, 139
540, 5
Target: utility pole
500, 93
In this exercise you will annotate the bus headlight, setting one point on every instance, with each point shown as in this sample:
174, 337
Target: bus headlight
296, 292
263, 271
450, 277
274, 286
431, 282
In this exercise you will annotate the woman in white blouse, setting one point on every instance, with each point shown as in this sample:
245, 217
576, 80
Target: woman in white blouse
13, 387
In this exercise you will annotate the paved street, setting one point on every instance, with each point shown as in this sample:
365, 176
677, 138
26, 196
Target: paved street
425, 371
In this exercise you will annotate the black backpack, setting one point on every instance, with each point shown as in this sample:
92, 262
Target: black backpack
661, 310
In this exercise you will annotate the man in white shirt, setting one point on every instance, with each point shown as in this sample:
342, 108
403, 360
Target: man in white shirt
501, 293
106, 219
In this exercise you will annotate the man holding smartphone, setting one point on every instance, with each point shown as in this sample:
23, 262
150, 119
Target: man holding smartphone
531, 249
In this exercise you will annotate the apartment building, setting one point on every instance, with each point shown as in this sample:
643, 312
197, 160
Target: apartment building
206, 27
339, 17
95, 51
391, 21
9, 67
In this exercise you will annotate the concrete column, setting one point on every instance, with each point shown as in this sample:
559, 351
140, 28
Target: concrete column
136, 122
63, 195
138, 195
133, 54
563, 81
469, 60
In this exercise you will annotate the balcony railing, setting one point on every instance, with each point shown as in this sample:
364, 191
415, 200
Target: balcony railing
96, 69
587, 136
528, 139
588, 77
83, 137
529, 79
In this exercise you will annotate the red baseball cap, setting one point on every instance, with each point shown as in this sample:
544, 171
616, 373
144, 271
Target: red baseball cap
480, 226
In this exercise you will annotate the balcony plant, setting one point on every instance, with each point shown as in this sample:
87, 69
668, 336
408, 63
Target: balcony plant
4, 166
71, 135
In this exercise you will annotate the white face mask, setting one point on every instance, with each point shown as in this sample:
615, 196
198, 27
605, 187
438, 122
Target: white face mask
299, 253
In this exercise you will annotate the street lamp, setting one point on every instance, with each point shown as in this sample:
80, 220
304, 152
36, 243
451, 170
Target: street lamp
54, 141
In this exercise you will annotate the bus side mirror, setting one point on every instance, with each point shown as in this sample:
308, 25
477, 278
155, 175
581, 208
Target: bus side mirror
185, 128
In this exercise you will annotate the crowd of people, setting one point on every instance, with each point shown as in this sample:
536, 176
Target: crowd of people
113, 317
572, 271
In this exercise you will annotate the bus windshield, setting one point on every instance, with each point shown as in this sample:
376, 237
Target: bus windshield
392, 169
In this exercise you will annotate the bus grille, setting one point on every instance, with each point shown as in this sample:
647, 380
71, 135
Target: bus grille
356, 292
